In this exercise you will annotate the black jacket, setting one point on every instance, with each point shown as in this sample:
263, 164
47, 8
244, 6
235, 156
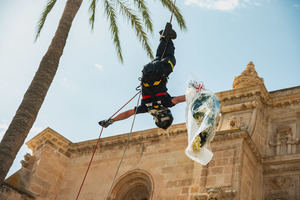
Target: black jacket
155, 73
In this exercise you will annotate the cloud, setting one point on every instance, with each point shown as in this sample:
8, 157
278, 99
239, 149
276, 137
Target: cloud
99, 67
222, 5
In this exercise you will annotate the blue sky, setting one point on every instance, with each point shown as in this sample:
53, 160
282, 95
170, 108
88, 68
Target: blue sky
91, 84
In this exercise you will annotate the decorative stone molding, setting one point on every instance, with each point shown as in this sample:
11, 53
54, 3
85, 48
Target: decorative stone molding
280, 182
216, 193
238, 107
49, 136
254, 92
281, 187
284, 140
248, 78
281, 164
285, 97
237, 123
236, 133
28, 161
6, 189
135, 138
136, 184
248, 97
70, 149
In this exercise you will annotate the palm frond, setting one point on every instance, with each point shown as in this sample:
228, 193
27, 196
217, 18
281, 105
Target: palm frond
145, 14
92, 10
137, 25
44, 15
179, 18
111, 15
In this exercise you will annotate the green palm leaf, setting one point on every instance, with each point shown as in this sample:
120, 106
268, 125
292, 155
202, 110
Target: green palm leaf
44, 15
92, 10
137, 25
145, 14
111, 15
179, 18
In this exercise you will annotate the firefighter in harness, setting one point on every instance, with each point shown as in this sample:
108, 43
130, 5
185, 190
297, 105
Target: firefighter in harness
155, 98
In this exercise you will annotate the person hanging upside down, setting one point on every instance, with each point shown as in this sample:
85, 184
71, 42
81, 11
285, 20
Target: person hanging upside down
155, 98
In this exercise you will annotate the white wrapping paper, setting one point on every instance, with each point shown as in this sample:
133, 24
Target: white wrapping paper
202, 109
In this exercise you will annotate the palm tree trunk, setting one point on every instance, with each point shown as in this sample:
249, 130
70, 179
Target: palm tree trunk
36, 93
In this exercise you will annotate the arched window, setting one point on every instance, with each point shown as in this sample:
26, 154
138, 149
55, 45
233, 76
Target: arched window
134, 185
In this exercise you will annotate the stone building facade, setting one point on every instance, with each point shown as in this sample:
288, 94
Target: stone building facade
256, 156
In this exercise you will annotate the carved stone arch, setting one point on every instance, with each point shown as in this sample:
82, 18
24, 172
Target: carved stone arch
133, 185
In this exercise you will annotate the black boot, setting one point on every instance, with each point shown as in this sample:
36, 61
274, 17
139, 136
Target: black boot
168, 33
106, 123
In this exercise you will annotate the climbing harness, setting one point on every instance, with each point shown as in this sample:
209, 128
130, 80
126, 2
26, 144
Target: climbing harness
98, 140
156, 95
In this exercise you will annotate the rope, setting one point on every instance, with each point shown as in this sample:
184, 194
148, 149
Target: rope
95, 148
127, 143
171, 18
125, 104
88, 168
172, 11
118, 168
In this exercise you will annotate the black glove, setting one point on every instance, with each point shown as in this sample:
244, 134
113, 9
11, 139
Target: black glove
168, 33
106, 123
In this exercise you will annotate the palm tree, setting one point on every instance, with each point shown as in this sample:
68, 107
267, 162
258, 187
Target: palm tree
36, 93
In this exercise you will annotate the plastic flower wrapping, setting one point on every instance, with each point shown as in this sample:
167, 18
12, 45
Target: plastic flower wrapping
202, 109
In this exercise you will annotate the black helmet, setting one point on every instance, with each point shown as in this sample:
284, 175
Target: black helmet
164, 119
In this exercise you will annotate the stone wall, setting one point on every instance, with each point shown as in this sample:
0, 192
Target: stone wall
157, 154
251, 175
48, 172
256, 156
8, 192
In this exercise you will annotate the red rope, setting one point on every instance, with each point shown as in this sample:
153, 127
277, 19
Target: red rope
88, 168
89, 165
111, 117
125, 104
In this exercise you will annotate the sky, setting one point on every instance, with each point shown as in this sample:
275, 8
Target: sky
222, 36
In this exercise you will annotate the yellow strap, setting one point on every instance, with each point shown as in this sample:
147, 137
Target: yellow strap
157, 82
171, 64
146, 84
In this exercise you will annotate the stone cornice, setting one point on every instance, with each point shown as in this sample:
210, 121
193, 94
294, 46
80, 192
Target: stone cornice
239, 106
291, 158
49, 136
6, 187
235, 134
246, 98
154, 134
235, 96
216, 193
285, 97
135, 137
280, 164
